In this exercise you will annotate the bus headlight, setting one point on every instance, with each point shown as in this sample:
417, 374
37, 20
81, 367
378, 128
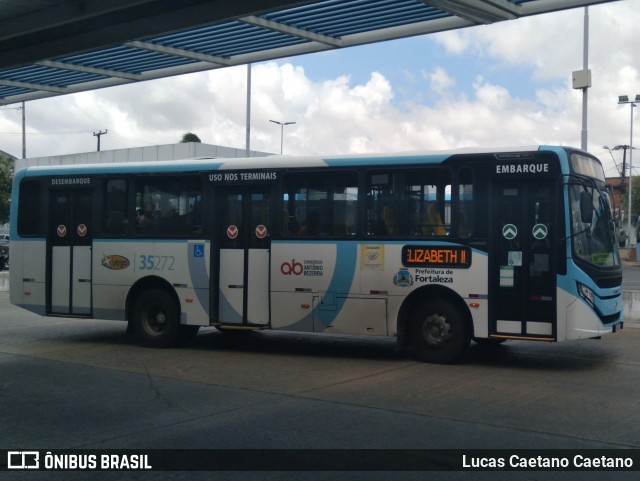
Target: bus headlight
587, 294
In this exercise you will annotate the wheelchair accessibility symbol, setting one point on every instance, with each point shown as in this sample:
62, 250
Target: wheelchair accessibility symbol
198, 250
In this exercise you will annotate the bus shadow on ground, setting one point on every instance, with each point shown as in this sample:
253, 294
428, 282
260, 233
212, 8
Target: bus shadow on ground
571, 356
528, 355
299, 344
580, 355
209, 339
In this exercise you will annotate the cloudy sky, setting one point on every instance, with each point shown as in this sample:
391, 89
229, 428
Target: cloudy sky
499, 85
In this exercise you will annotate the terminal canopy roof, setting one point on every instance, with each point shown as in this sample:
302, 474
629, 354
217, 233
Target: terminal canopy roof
56, 47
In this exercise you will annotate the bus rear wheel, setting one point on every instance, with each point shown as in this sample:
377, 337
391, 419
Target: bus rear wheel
156, 320
439, 333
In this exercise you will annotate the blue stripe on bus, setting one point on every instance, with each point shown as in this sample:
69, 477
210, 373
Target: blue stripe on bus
343, 275
399, 160
562, 156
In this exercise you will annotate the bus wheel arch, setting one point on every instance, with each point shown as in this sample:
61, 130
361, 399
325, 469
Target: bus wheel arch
436, 324
153, 312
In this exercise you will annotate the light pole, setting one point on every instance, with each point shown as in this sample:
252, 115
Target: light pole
248, 126
281, 124
624, 99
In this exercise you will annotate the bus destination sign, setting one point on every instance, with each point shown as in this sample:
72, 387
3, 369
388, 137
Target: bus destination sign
243, 176
436, 256
67, 181
528, 168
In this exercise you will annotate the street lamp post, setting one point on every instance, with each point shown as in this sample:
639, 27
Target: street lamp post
281, 124
624, 99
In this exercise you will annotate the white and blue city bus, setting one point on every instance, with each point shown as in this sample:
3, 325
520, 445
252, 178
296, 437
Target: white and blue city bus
433, 248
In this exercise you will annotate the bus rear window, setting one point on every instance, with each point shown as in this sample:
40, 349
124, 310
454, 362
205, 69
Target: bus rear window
29, 209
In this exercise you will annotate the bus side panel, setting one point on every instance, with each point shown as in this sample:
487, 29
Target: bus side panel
329, 272
349, 287
292, 311
353, 315
28, 274
381, 270
309, 282
184, 265
109, 302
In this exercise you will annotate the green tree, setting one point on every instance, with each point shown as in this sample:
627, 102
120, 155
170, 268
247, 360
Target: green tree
6, 177
190, 137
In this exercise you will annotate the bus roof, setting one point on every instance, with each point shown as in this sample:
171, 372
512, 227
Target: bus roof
270, 162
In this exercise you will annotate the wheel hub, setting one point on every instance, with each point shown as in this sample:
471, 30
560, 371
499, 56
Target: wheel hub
157, 321
436, 330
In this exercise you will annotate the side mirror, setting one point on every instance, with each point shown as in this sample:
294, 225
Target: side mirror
586, 207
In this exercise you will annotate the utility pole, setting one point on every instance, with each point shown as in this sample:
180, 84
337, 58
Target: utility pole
623, 172
100, 134
624, 149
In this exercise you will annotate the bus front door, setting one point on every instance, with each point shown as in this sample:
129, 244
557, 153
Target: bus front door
243, 257
522, 281
69, 253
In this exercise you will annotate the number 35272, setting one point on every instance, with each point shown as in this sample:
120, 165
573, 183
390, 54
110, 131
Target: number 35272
155, 263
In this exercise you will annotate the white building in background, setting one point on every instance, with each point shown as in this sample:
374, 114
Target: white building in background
185, 150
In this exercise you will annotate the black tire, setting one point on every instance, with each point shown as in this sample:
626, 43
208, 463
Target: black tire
156, 320
439, 332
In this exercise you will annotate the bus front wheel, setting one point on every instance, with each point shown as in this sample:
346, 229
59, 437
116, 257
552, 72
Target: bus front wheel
156, 320
439, 333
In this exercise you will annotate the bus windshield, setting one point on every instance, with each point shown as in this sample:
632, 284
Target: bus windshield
593, 242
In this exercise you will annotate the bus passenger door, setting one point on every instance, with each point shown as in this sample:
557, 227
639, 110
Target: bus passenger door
69, 253
522, 280
243, 256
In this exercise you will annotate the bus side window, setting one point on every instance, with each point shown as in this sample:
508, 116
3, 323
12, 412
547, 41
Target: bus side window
430, 202
30, 208
322, 204
465, 203
386, 205
169, 206
410, 203
115, 209
433, 222
390, 222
